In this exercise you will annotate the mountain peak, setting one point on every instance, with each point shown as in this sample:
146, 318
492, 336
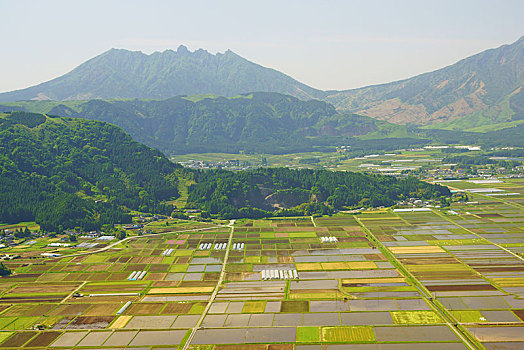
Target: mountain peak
182, 49
120, 73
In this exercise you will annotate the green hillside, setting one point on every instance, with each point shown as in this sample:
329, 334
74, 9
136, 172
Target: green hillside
285, 192
64, 172
256, 122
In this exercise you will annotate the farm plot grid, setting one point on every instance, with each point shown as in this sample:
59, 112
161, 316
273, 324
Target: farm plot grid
383, 280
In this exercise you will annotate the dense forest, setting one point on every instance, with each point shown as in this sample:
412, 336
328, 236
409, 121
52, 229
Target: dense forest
481, 160
282, 191
65, 173
256, 122
259, 122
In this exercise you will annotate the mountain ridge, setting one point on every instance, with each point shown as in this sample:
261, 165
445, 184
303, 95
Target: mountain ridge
120, 73
483, 83
215, 123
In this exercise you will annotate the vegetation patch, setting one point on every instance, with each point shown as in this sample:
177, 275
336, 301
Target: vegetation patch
469, 316
415, 317
251, 307
294, 306
348, 334
308, 334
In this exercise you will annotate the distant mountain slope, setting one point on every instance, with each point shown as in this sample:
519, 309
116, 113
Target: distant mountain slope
119, 73
491, 80
257, 122
483, 91
65, 172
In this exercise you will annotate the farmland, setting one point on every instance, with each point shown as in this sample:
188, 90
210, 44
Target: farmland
439, 278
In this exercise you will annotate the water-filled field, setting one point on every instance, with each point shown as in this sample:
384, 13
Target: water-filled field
379, 280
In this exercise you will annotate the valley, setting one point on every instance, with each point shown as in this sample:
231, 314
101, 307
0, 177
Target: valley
156, 198
224, 271
438, 278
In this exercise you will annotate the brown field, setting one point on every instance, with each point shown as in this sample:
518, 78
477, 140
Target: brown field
519, 313
90, 322
43, 339
155, 276
135, 267
18, 310
159, 267
177, 308
294, 306
35, 299
40, 288
118, 276
71, 268
102, 309
3, 307
40, 310
461, 287
144, 309
18, 339
99, 267
113, 287
66, 309
241, 347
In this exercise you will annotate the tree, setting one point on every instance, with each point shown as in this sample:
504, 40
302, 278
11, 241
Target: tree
4, 271
444, 202
73, 238
120, 235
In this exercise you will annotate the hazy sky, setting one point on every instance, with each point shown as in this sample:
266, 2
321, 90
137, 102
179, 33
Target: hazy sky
327, 44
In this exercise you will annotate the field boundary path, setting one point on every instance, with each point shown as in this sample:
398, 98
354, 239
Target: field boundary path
477, 235
73, 292
435, 305
217, 287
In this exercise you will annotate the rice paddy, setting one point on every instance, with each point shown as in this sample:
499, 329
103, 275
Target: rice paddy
395, 279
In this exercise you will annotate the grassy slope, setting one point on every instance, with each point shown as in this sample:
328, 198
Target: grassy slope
491, 119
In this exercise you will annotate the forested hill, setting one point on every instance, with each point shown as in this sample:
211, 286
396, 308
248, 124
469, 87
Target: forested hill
65, 172
119, 73
284, 192
259, 122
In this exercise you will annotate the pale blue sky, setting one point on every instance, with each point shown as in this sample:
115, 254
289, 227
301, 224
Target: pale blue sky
327, 44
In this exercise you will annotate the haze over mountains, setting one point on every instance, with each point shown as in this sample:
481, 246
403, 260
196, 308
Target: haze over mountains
481, 91
211, 123
119, 73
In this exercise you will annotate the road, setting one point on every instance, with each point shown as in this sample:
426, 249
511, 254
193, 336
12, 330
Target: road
215, 291
136, 237
435, 305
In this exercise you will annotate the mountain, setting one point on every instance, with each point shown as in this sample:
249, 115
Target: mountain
65, 173
479, 93
480, 90
257, 122
121, 73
